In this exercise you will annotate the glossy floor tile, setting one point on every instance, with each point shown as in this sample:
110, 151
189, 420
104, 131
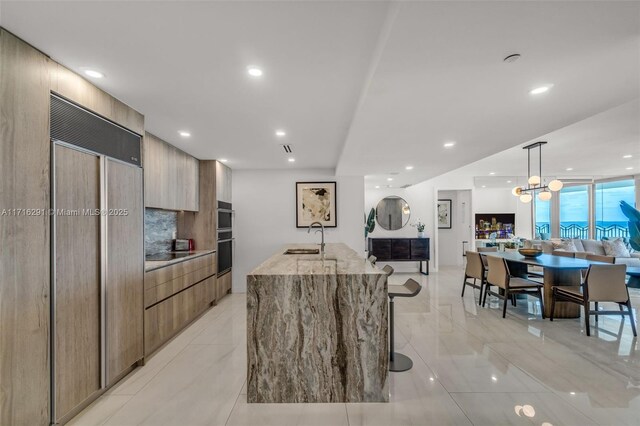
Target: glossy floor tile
471, 366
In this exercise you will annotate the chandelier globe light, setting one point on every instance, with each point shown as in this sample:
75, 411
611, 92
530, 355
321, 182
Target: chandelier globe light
544, 196
555, 185
526, 198
535, 183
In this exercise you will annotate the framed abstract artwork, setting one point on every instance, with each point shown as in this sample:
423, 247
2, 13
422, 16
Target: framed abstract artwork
316, 202
444, 214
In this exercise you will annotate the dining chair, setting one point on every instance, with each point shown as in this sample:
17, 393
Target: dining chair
603, 283
475, 269
500, 277
601, 258
486, 250
595, 258
372, 259
388, 269
564, 253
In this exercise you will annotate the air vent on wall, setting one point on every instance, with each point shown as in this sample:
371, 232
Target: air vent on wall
287, 148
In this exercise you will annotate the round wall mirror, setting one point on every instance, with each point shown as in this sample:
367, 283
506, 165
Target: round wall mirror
392, 213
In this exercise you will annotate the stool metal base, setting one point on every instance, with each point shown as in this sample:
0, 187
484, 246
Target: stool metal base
400, 363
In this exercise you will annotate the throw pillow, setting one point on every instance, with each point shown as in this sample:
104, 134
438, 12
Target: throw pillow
615, 248
565, 245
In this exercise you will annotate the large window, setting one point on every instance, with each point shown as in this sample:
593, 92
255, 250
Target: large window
543, 217
610, 222
574, 212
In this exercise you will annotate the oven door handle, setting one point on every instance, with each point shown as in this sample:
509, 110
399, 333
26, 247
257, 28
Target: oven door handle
226, 240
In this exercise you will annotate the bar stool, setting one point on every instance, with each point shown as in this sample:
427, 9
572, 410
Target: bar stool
397, 361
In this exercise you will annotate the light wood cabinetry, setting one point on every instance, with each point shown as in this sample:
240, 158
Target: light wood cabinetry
24, 256
175, 295
27, 79
124, 269
223, 182
201, 226
223, 285
170, 175
70, 85
77, 285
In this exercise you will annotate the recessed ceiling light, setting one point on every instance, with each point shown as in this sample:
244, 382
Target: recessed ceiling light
492, 173
484, 186
184, 133
627, 156
291, 160
569, 169
629, 168
409, 167
223, 160
281, 133
449, 144
254, 71
377, 186
93, 73
508, 181
541, 89
389, 179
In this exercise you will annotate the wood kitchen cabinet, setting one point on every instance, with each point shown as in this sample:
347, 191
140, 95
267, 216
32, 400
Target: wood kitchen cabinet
170, 176
223, 182
175, 295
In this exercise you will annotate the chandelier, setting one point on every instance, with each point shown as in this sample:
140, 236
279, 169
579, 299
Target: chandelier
535, 182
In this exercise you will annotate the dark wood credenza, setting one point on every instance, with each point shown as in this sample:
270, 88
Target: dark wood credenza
401, 250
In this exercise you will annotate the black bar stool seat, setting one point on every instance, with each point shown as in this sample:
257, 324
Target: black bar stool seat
397, 361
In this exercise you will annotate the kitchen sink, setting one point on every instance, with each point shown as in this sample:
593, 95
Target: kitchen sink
302, 251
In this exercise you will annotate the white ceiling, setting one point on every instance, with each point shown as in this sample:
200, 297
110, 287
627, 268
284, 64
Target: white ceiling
592, 148
366, 87
183, 65
441, 77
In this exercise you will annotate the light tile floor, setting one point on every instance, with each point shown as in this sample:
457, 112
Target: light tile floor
470, 367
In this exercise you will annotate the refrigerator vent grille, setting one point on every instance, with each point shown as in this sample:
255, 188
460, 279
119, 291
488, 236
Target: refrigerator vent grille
76, 126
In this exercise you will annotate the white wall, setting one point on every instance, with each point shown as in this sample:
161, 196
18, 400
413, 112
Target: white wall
450, 240
422, 199
265, 220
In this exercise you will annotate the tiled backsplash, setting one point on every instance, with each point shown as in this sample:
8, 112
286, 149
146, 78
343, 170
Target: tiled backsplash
159, 228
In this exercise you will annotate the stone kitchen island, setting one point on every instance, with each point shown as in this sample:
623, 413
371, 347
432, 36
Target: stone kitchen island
317, 328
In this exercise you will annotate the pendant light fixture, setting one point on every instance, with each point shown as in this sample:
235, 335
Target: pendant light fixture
535, 182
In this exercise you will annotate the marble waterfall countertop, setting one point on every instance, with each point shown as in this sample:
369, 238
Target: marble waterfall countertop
317, 328
344, 259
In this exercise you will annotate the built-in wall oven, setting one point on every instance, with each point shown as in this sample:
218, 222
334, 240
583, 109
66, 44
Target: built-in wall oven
225, 237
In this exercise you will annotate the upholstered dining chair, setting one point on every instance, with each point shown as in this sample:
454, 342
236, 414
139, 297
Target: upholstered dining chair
563, 253
486, 250
603, 283
372, 259
601, 258
388, 269
500, 277
475, 269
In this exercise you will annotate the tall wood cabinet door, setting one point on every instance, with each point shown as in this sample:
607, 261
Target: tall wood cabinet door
76, 336
223, 182
124, 268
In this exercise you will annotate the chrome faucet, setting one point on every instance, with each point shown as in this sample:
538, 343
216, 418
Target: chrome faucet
319, 230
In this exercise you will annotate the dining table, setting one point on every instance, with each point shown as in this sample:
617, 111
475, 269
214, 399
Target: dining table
557, 271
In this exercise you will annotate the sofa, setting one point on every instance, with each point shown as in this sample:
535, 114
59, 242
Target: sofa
583, 246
